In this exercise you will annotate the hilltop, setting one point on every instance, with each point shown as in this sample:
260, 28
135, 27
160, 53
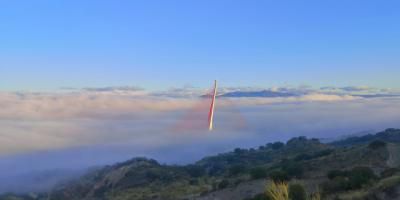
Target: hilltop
364, 167
389, 135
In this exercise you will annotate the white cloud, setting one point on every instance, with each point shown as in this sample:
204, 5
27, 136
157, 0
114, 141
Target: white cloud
44, 121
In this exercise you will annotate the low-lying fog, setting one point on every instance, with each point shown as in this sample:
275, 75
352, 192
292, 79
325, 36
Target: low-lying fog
47, 137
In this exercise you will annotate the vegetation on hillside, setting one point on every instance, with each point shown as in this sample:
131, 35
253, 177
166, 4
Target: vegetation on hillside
307, 169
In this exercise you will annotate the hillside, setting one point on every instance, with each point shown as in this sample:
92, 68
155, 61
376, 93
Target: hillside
389, 135
360, 167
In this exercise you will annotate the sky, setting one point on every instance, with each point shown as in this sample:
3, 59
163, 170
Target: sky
156, 45
90, 83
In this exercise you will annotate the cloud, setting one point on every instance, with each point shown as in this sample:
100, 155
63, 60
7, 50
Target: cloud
148, 123
46, 121
125, 102
60, 120
82, 128
40, 121
77, 105
327, 97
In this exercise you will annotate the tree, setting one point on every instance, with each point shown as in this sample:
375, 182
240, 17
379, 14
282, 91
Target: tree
239, 151
277, 145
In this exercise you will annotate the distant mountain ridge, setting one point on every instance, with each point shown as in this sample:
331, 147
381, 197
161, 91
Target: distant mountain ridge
270, 93
262, 93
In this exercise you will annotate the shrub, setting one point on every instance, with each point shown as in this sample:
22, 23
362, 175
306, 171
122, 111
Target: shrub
195, 171
315, 196
260, 197
303, 156
335, 173
336, 185
360, 176
390, 183
348, 180
389, 172
194, 182
377, 144
297, 192
154, 174
293, 169
223, 184
258, 173
216, 169
279, 176
323, 153
237, 169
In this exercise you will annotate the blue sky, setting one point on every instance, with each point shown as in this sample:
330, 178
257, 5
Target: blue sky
45, 45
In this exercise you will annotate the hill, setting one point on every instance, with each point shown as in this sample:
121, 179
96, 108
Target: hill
389, 135
362, 168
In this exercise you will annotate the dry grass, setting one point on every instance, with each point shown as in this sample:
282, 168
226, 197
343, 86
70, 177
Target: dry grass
315, 196
277, 191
